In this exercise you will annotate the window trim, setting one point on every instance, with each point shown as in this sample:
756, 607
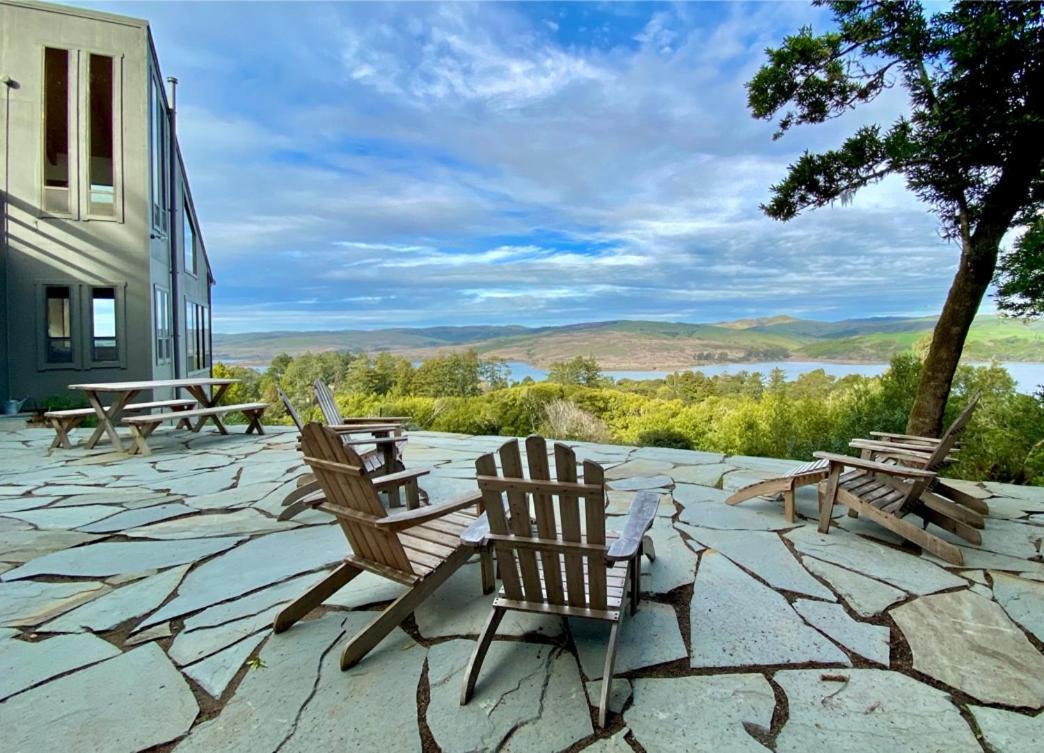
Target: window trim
75, 323
159, 213
117, 135
198, 337
120, 304
168, 328
72, 136
188, 216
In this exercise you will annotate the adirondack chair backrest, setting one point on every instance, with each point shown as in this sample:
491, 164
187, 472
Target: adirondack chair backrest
327, 404
556, 563
290, 410
938, 457
350, 496
952, 435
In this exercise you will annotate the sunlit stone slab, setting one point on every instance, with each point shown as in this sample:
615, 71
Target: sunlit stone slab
26, 603
704, 714
113, 558
1022, 599
134, 701
263, 560
869, 641
128, 519
24, 664
871, 711
529, 695
868, 597
1008, 732
967, 642
648, 638
119, 605
738, 622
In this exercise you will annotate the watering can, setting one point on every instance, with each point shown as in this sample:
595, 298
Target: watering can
11, 407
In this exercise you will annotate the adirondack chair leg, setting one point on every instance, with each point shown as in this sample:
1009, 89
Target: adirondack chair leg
942, 549
314, 596
399, 609
607, 673
963, 530
789, 507
649, 548
827, 498
962, 497
479, 654
486, 565
412, 494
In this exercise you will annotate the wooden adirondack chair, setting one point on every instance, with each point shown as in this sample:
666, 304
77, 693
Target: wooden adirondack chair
560, 567
385, 457
886, 492
904, 449
419, 548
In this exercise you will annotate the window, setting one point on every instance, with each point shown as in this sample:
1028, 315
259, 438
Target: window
100, 125
197, 341
164, 337
159, 159
103, 325
58, 324
188, 238
56, 131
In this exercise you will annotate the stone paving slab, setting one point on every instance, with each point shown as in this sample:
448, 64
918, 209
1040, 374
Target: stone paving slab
870, 711
767, 594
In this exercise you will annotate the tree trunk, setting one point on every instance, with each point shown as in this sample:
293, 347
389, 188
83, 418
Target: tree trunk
978, 262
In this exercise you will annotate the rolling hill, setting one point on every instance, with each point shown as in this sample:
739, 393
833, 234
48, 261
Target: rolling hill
653, 345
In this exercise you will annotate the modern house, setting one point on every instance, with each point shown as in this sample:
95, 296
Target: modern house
104, 275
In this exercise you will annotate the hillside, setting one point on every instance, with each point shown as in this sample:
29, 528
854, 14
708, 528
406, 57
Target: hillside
653, 345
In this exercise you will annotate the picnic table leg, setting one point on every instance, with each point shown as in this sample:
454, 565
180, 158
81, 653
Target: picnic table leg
62, 427
107, 417
208, 401
139, 436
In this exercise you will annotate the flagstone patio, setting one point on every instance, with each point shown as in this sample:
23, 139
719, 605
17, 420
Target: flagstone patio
136, 597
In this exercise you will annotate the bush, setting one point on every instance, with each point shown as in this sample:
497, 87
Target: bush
566, 420
665, 438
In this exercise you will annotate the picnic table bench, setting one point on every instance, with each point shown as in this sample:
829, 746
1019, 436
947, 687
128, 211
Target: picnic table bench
143, 426
64, 421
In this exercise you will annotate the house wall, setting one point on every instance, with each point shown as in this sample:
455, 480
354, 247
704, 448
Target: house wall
81, 249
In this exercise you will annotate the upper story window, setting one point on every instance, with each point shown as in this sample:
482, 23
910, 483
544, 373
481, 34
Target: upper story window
100, 136
56, 156
188, 238
58, 337
159, 163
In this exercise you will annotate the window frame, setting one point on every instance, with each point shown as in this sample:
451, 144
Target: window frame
75, 323
72, 135
117, 135
159, 158
162, 335
197, 340
189, 218
120, 313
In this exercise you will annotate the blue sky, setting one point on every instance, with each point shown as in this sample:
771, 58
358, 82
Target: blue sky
371, 165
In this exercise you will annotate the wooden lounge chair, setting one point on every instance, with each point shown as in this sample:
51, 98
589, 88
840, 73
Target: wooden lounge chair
905, 449
419, 548
385, 457
560, 567
886, 492
332, 415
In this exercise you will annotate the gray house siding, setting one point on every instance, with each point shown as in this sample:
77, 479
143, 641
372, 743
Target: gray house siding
82, 258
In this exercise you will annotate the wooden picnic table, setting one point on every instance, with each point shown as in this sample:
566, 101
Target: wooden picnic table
109, 417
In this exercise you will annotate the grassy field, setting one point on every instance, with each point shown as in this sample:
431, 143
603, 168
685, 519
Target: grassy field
654, 345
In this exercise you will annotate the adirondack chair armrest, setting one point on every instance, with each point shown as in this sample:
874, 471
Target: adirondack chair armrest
897, 451
403, 520
302, 491
373, 440
640, 517
905, 437
380, 483
364, 428
873, 465
476, 533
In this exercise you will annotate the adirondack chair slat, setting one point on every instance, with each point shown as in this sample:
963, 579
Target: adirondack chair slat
404, 548
485, 465
556, 566
594, 512
521, 523
569, 510
547, 527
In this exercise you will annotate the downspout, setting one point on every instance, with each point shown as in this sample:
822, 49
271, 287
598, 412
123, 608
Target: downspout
175, 302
